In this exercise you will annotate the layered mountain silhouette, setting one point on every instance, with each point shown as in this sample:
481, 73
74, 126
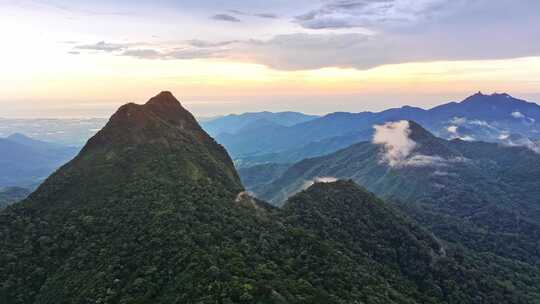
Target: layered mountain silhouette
479, 117
233, 123
152, 211
484, 195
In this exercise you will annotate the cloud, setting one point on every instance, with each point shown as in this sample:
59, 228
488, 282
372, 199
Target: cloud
375, 13
102, 46
209, 44
394, 136
452, 129
266, 15
503, 136
260, 15
364, 34
399, 148
456, 122
519, 141
143, 53
225, 17
191, 49
421, 160
467, 138
177, 53
325, 179
517, 114
376, 33
316, 180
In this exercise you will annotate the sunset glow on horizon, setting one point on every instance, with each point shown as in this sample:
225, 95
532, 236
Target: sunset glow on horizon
78, 59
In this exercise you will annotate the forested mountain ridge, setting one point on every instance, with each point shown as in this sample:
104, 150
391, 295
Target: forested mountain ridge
152, 210
483, 195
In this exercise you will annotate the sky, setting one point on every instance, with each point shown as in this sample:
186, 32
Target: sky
85, 58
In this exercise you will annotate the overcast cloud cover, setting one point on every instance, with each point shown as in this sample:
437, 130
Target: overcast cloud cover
357, 34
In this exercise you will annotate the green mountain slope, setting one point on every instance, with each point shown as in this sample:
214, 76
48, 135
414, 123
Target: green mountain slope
364, 226
479, 194
151, 211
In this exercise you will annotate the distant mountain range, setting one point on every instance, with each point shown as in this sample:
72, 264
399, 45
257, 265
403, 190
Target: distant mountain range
152, 211
26, 162
483, 195
492, 118
66, 132
232, 124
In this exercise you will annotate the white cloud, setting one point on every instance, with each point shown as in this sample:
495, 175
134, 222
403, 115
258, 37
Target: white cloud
504, 136
394, 136
318, 179
399, 148
467, 138
387, 31
517, 114
421, 160
452, 129
103, 47
458, 120
325, 179
424, 161
523, 142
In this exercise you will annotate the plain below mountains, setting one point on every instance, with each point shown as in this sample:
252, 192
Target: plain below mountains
26, 162
493, 118
153, 211
10, 195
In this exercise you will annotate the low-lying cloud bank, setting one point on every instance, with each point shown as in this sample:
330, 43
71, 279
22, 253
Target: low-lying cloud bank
394, 136
521, 142
318, 179
398, 148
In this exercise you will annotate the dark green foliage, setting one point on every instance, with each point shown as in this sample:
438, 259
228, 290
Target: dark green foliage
363, 225
151, 211
487, 200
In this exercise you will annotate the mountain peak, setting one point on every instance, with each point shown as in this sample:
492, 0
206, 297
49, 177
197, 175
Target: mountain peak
164, 106
164, 98
18, 136
483, 98
429, 144
418, 133
159, 139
